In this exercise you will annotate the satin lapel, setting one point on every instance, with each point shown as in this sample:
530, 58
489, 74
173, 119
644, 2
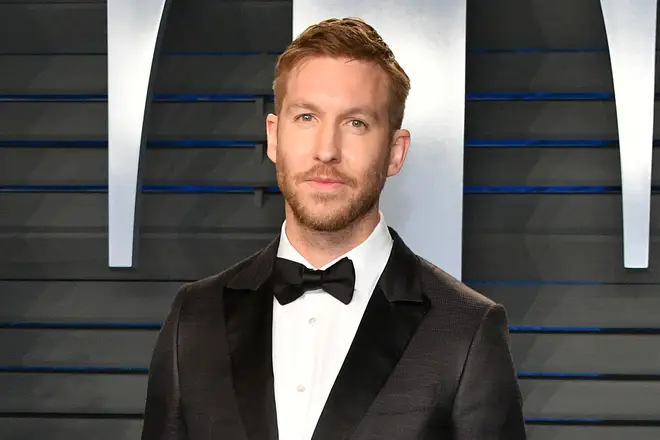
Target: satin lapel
393, 314
381, 339
249, 320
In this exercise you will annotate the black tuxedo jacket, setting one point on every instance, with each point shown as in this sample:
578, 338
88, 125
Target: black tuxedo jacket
430, 360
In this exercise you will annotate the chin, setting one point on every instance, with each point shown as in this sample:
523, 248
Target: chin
324, 219
324, 224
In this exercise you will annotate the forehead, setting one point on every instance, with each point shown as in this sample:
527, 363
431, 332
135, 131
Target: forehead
338, 81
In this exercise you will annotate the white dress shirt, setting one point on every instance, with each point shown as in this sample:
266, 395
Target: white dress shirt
312, 335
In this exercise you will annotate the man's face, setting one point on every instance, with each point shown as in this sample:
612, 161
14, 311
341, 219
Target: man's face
331, 141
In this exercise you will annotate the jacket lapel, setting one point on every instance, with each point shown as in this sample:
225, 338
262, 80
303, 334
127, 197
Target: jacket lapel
248, 309
394, 312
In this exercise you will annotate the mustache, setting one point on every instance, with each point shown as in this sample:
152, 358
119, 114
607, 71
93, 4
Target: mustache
325, 172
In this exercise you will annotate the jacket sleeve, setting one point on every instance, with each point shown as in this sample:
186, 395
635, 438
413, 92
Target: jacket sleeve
488, 403
163, 417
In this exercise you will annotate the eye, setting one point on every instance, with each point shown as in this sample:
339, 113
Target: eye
356, 123
305, 117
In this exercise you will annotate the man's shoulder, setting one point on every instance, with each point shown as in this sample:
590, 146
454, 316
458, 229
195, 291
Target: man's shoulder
449, 294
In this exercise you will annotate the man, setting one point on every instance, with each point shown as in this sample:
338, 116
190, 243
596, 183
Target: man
376, 343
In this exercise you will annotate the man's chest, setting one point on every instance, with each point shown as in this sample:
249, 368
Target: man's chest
311, 338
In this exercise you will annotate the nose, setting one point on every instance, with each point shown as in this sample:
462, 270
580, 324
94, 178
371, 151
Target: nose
328, 143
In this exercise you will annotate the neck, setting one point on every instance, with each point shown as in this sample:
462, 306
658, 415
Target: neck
320, 248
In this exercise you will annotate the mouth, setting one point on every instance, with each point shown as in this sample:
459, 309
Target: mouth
325, 183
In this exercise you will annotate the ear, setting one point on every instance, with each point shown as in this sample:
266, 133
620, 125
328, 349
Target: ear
398, 152
271, 137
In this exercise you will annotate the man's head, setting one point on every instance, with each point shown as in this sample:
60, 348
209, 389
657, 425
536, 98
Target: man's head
339, 99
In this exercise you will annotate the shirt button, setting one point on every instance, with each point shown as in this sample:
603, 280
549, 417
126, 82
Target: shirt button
301, 388
312, 321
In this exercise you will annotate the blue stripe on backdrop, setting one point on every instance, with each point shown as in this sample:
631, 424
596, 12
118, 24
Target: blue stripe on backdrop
585, 330
274, 189
539, 96
534, 283
243, 97
545, 189
538, 143
532, 50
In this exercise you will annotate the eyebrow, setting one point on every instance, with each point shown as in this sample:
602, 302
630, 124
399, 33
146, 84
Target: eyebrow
304, 106
351, 111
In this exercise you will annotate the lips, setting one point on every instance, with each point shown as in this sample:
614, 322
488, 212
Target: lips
325, 180
324, 183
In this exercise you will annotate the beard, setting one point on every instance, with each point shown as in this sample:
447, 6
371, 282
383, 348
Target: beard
331, 212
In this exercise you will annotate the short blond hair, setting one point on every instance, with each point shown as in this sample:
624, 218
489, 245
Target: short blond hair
350, 38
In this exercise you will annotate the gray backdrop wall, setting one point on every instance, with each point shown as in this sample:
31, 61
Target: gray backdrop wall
76, 337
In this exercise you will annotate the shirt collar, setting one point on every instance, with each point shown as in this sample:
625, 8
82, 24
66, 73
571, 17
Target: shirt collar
369, 257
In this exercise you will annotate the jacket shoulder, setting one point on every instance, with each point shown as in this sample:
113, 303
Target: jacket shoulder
447, 292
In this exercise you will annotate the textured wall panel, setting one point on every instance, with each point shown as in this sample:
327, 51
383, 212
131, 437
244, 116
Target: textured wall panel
80, 301
592, 432
78, 27
75, 348
120, 394
173, 213
88, 121
546, 166
586, 353
597, 215
494, 120
638, 400
536, 24
163, 256
175, 74
187, 166
553, 257
596, 305
66, 429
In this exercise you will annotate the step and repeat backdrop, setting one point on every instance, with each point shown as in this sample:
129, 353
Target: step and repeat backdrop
76, 336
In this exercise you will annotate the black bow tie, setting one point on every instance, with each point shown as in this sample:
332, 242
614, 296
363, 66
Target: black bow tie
290, 280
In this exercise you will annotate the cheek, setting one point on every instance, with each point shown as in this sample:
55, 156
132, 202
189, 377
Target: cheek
365, 158
295, 142
289, 159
